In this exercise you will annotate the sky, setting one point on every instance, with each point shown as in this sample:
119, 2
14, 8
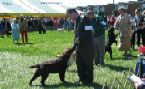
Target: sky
74, 3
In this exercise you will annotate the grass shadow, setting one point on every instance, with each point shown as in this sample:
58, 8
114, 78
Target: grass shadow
20, 44
119, 58
72, 70
125, 58
116, 68
134, 57
30, 43
69, 85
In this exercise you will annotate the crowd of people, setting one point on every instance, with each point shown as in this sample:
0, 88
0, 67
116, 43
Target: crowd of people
23, 24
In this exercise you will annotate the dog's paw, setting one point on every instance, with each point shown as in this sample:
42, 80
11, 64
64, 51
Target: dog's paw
43, 84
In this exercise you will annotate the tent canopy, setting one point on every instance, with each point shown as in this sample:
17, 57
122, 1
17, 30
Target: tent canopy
32, 8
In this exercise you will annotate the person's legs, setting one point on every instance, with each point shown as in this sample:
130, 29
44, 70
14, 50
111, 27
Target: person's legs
44, 31
26, 36
138, 37
133, 39
22, 36
143, 37
40, 31
2, 33
88, 57
96, 51
102, 49
80, 65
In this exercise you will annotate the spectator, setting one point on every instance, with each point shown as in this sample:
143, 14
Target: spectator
7, 26
124, 25
41, 27
99, 40
23, 29
139, 19
55, 23
111, 21
139, 77
15, 30
1, 29
84, 51
61, 22
134, 29
51, 24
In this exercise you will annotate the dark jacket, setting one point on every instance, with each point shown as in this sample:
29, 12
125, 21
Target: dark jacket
99, 31
1, 27
85, 36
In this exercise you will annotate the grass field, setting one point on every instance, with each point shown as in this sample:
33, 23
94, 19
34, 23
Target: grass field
16, 58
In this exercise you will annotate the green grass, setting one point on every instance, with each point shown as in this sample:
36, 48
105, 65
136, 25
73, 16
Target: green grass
15, 60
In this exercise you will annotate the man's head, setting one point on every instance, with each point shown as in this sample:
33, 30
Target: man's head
90, 13
72, 13
137, 11
121, 10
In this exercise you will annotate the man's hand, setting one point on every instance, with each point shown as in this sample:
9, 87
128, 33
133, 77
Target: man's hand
77, 41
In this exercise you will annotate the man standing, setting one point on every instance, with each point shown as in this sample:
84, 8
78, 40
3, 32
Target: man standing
99, 41
23, 29
84, 51
139, 19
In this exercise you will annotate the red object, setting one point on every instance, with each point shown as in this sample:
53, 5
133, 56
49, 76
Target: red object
141, 49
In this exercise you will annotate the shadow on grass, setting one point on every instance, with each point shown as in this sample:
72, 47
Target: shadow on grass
124, 58
116, 68
20, 44
72, 70
69, 85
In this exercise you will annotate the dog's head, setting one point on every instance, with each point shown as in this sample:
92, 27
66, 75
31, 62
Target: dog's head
69, 51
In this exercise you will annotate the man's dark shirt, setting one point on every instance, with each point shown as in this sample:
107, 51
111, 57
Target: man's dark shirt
85, 36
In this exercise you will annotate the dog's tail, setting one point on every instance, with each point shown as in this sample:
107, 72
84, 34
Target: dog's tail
35, 66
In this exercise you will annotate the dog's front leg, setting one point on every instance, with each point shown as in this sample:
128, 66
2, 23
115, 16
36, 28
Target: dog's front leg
44, 77
62, 76
36, 74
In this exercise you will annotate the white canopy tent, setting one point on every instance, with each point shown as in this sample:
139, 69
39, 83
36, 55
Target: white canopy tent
49, 7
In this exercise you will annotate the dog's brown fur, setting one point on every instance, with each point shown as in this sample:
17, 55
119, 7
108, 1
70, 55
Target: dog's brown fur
53, 66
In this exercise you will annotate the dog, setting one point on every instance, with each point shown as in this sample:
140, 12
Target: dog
111, 39
53, 66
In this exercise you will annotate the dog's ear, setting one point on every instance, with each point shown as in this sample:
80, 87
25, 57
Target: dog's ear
65, 51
